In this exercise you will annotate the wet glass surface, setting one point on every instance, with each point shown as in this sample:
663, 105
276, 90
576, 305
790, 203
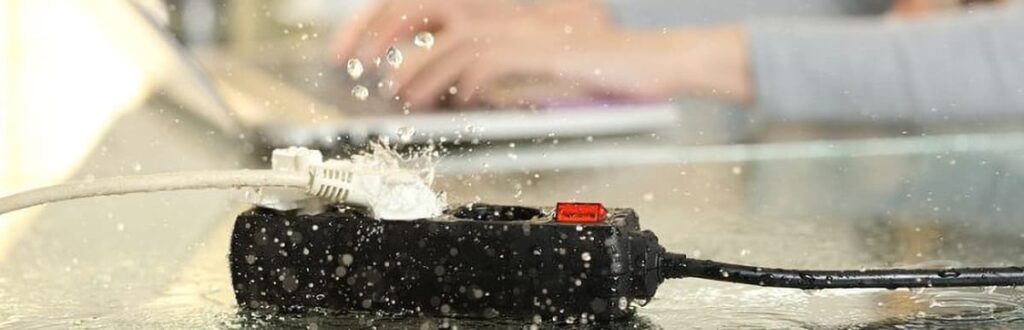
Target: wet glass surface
159, 260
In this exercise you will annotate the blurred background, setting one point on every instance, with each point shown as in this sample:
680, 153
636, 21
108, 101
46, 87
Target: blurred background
71, 67
852, 167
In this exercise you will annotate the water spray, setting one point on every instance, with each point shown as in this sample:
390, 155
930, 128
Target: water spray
381, 241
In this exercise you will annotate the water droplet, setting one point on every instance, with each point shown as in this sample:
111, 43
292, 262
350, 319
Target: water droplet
453, 90
736, 170
394, 57
354, 68
424, 40
137, 168
405, 133
120, 226
346, 259
648, 197
360, 92
250, 259
585, 256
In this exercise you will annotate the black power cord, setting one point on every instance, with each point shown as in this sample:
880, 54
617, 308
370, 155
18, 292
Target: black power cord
679, 266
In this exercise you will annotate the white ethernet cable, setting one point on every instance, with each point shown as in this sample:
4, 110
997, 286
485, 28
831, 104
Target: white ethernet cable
296, 169
154, 182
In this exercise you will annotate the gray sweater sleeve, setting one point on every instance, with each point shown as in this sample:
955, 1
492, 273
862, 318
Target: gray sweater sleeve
968, 64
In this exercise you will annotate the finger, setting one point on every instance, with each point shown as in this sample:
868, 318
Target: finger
352, 34
446, 44
473, 83
402, 21
480, 77
436, 78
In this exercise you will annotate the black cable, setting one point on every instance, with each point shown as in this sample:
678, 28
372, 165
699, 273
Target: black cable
679, 266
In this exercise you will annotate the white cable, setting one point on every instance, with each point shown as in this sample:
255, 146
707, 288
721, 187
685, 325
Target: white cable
155, 182
391, 193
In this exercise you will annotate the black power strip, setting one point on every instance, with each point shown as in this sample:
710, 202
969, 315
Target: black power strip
476, 261
576, 261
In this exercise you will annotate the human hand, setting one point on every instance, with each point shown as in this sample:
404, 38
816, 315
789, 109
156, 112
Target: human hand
457, 26
386, 22
540, 64
480, 51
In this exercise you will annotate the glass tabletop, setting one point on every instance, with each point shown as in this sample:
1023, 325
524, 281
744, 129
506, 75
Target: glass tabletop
158, 260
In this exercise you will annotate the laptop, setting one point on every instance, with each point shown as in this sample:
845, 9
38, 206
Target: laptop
307, 102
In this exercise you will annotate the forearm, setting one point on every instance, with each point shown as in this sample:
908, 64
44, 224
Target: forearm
964, 65
711, 62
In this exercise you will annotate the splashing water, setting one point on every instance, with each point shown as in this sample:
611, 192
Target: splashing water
360, 92
424, 40
354, 68
394, 57
405, 134
398, 186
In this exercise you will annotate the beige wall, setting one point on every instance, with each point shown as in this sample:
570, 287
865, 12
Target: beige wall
68, 67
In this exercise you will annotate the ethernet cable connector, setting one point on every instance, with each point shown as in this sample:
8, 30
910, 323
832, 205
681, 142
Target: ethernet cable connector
292, 159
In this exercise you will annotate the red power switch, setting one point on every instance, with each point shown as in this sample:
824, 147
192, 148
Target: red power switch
580, 212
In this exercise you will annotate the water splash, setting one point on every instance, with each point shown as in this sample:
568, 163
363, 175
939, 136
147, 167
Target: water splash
394, 57
398, 184
354, 68
360, 92
424, 40
405, 134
